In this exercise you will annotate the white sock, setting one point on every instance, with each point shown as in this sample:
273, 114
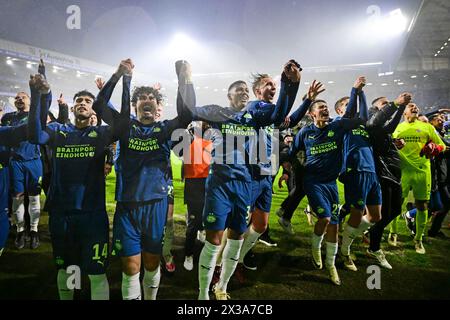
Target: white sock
99, 287
206, 264
18, 209
168, 238
131, 288
34, 208
229, 262
222, 246
61, 281
332, 249
316, 241
150, 283
350, 233
364, 225
250, 239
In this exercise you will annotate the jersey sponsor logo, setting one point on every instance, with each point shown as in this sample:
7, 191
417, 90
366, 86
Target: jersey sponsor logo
237, 130
323, 148
211, 218
93, 134
75, 151
143, 145
411, 139
360, 132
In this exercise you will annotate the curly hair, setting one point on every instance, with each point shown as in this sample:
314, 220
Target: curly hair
137, 91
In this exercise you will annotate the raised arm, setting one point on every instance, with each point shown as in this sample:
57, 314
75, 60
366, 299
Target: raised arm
125, 110
350, 111
381, 118
101, 105
46, 98
11, 136
36, 128
63, 112
266, 113
291, 77
314, 90
363, 110
186, 99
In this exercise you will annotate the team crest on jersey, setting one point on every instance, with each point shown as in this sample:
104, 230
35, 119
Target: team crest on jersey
118, 245
330, 134
211, 218
248, 116
418, 130
93, 134
59, 261
157, 129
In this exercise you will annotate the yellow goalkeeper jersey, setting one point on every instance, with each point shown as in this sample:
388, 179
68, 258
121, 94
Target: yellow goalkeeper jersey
416, 134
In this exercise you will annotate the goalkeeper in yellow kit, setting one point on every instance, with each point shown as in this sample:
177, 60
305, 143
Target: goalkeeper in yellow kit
421, 143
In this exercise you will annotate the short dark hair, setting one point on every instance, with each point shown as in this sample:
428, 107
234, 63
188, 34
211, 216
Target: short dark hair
137, 91
314, 103
257, 80
376, 100
338, 103
434, 115
83, 93
235, 84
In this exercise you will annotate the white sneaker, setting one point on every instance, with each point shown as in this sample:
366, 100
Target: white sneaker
201, 236
317, 258
419, 247
189, 263
392, 239
286, 225
334, 276
381, 258
220, 295
349, 264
